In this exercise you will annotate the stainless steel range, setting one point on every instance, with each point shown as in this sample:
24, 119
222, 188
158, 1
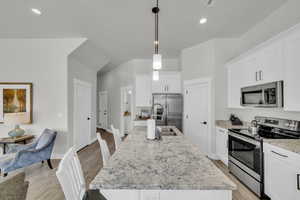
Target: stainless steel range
246, 149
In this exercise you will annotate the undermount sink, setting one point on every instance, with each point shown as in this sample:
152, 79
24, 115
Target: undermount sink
166, 131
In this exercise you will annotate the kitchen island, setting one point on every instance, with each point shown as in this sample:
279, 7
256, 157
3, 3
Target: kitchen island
171, 168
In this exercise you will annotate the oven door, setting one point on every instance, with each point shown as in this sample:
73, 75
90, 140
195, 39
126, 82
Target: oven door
246, 153
252, 98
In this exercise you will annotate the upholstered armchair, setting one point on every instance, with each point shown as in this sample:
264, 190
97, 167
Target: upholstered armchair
25, 155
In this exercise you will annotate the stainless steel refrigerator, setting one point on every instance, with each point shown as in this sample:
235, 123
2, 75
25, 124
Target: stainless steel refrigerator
167, 110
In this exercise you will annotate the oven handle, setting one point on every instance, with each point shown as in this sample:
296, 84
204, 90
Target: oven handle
245, 139
279, 154
298, 181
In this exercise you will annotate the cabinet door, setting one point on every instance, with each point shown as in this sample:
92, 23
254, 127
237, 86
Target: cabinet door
173, 83
158, 86
143, 90
222, 144
249, 74
270, 63
235, 82
292, 71
281, 177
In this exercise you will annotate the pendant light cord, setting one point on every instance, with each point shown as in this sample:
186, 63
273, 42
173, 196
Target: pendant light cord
156, 11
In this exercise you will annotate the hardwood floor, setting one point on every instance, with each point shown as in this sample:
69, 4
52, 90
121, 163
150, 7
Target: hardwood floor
43, 184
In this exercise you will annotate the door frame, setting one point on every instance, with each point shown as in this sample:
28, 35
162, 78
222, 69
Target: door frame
124, 89
77, 82
210, 101
106, 93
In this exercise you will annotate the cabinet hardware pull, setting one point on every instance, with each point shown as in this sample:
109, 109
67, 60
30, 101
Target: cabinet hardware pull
256, 76
298, 181
261, 75
279, 154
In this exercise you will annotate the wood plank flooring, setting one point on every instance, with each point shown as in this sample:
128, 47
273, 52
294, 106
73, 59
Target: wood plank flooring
43, 184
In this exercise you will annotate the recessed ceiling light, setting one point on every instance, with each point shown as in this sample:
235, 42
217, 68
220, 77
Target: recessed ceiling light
36, 11
203, 20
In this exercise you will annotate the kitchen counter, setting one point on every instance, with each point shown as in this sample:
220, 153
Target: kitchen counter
226, 124
292, 145
172, 163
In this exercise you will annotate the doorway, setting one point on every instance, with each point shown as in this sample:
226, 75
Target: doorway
82, 113
197, 113
126, 109
103, 114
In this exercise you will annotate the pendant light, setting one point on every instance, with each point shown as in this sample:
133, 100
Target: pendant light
157, 58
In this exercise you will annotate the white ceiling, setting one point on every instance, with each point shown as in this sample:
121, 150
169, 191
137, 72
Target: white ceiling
123, 29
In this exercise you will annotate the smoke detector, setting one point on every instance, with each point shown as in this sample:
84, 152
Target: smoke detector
209, 3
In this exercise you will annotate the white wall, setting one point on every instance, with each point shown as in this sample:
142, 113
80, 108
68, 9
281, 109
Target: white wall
198, 61
124, 75
83, 72
44, 63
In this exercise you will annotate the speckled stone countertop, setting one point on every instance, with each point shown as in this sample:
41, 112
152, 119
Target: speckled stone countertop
172, 163
226, 124
292, 145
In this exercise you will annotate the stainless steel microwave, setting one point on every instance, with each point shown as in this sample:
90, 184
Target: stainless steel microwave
268, 95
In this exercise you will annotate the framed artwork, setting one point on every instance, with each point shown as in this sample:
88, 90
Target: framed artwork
16, 103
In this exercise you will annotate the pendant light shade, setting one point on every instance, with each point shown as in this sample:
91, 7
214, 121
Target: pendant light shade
157, 61
155, 75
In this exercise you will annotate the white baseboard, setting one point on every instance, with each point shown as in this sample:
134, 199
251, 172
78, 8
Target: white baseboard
213, 156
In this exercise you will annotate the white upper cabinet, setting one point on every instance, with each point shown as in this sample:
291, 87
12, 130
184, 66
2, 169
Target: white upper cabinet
143, 88
270, 63
169, 82
263, 66
291, 72
276, 60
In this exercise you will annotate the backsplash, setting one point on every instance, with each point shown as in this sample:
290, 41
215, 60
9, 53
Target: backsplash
248, 114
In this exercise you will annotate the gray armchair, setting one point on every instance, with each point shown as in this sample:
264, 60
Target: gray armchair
26, 155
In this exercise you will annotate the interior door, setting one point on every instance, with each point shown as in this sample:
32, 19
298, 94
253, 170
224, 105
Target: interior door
103, 118
196, 114
82, 114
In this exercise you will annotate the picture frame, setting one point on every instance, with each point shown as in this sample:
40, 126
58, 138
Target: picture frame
16, 102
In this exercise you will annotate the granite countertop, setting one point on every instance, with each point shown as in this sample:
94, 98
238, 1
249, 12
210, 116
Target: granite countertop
226, 124
172, 163
292, 145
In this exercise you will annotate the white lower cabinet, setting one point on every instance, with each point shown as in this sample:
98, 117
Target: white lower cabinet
149, 195
121, 194
222, 144
282, 173
167, 194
